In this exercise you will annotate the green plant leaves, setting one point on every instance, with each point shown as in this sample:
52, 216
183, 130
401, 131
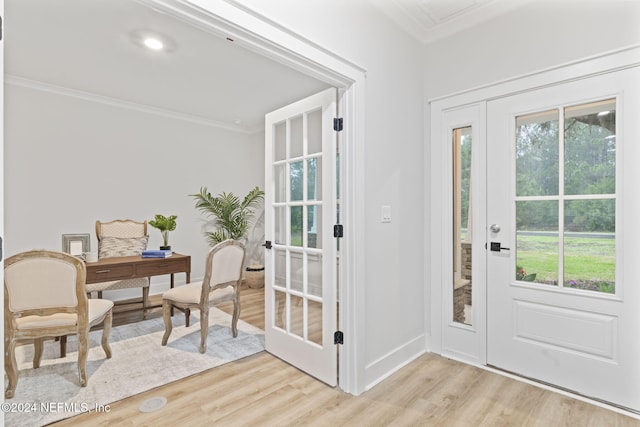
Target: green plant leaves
165, 225
231, 217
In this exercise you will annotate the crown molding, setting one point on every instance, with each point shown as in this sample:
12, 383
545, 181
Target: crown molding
417, 18
120, 103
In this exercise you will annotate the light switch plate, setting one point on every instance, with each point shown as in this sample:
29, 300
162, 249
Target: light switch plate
386, 214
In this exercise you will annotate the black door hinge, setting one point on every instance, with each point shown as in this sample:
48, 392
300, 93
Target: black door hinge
338, 337
338, 124
267, 244
338, 230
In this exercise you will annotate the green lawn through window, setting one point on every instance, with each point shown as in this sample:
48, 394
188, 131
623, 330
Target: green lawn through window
587, 260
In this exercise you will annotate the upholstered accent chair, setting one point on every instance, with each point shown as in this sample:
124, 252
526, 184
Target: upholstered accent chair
44, 296
221, 283
122, 238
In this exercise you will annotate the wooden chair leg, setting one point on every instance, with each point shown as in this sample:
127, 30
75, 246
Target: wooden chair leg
204, 328
106, 330
38, 346
187, 315
10, 366
83, 350
63, 346
236, 316
166, 316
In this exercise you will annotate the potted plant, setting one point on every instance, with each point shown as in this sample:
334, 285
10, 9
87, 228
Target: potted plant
231, 216
165, 225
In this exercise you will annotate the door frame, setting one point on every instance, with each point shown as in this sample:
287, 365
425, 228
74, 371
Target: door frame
250, 30
437, 156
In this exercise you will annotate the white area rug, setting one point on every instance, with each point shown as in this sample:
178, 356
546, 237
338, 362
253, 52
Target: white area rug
139, 363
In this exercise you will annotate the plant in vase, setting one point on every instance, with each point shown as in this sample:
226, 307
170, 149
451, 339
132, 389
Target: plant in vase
231, 216
165, 225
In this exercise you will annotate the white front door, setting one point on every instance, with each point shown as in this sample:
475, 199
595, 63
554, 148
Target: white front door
300, 211
562, 230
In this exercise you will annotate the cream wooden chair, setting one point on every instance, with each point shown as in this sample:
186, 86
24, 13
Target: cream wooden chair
221, 283
122, 238
44, 296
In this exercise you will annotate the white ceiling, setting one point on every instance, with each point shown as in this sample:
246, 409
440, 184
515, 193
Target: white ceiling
89, 46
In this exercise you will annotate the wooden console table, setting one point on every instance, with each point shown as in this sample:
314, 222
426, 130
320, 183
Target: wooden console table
132, 267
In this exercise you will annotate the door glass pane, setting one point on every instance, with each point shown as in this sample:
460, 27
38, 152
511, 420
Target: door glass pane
280, 268
279, 302
297, 272
314, 226
590, 148
314, 179
314, 266
462, 230
314, 132
296, 226
280, 141
280, 182
585, 256
280, 225
314, 309
590, 245
296, 135
537, 242
537, 154
296, 178
297, 316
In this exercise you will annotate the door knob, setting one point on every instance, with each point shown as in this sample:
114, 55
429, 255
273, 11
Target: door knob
495, 228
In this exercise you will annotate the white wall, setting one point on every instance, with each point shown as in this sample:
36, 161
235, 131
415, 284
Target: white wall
393, 308
70, 162
540, 35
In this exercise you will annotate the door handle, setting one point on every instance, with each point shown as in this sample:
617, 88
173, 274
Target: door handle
495, 228
497, 247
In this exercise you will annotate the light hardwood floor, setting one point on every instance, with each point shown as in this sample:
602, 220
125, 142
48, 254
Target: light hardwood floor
261, 390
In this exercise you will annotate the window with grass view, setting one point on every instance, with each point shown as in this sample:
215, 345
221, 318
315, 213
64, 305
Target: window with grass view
566, 197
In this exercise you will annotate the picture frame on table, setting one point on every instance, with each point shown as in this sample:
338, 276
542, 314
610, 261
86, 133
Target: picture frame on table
76, 244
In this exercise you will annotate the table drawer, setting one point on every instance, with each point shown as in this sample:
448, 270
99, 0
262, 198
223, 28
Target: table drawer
109, 273
159, 268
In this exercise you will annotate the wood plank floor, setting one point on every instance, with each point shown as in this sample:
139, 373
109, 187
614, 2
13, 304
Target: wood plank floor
261, 390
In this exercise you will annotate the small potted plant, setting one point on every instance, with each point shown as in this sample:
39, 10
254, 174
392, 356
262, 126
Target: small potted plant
165, 225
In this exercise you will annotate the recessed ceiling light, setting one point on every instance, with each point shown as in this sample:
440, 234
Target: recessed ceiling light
152, 40
153, 44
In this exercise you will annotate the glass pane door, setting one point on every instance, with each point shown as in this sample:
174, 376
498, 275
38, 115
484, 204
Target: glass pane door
300, 268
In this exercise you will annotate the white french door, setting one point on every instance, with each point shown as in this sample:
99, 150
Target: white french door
563, 224
300, 211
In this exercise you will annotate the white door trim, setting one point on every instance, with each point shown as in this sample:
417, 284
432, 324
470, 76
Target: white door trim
249, 29
603, 63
